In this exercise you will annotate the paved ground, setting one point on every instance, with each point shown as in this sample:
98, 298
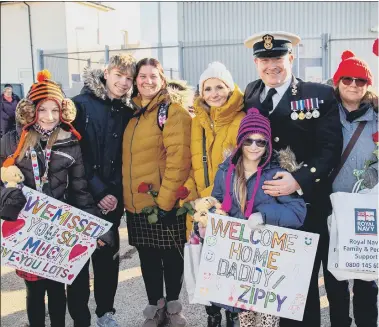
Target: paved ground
130, 299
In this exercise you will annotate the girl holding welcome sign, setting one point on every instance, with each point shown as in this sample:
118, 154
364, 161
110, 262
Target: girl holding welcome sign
48, 154
238, 184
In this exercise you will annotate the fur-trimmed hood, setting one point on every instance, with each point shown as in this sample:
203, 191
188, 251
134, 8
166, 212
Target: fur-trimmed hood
180, 92
177, 91
94, 83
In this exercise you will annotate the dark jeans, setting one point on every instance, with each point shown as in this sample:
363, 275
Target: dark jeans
35, 302
312, 312
158, 265
105, 262
365, 306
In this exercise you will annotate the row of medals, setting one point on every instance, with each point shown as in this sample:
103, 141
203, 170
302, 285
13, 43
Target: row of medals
294, 116
301, 115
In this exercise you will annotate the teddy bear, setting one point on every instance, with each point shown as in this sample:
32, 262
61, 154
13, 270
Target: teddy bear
202, 207
12, 176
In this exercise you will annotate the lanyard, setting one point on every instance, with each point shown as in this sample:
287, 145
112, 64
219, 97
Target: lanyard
40, 181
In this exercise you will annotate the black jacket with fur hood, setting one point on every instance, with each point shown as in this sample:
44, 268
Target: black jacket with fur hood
101, 123
66, 175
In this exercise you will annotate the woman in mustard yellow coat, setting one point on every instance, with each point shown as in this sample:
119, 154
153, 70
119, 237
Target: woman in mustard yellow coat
156, 152
218, 114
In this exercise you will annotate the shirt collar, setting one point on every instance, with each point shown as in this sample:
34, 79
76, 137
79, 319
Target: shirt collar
280, 89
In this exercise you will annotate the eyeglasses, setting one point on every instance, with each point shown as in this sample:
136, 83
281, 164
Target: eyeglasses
358, 81
261, 143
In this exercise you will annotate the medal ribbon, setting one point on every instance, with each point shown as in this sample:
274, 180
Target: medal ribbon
40, 181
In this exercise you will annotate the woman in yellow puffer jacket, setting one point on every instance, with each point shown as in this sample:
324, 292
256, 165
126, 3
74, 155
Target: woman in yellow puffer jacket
218, 114
156, 151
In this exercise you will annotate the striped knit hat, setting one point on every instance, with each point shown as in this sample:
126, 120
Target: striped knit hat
27, 109
252, 123
45, 89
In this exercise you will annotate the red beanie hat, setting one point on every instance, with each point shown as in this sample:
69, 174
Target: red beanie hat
375, 48
352, 66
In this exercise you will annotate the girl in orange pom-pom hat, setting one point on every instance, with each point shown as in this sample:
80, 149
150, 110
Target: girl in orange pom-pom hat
46, 150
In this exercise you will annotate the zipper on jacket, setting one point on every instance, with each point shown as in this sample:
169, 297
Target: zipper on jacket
131, 159
87, 120
65, 155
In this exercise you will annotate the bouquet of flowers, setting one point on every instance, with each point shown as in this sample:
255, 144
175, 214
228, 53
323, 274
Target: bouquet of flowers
152, 211
368, 175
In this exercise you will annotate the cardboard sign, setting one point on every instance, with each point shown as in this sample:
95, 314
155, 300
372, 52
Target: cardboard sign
265, 270
50, 238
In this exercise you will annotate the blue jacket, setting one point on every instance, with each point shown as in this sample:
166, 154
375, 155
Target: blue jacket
285, 211
362, 151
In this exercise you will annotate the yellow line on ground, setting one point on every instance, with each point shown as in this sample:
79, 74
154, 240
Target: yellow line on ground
14, 301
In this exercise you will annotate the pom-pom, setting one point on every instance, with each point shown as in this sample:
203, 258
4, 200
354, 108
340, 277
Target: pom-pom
43, 75
252, 111
347, 54
375, 49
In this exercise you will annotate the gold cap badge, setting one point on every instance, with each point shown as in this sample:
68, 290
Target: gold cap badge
268, 41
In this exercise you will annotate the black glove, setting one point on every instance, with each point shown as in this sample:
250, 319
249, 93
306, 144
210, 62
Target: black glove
108, 238
167, 218
11, 203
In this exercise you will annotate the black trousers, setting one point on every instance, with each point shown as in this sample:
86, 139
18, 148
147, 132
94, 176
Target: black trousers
105, 262
365, 308
158, 265
312, 312
35, 302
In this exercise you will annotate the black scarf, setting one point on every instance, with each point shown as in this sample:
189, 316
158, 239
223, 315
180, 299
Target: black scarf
355, 114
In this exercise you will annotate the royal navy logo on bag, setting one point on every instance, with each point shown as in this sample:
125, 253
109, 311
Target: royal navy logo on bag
366, 222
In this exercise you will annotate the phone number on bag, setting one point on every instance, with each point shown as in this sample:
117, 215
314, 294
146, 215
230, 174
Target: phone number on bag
364, 265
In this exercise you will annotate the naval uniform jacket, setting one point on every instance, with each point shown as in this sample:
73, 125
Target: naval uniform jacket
317, 142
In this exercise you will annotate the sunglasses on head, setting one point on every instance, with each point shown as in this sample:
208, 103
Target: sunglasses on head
261, 143
358, 81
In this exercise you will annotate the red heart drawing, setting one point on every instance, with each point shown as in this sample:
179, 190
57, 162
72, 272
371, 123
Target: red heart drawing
11, 227
34, 165
92, 245
76, 251
18, 258
70, 276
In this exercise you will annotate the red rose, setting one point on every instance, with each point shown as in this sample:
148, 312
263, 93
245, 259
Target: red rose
182, 193
375, 137
144, 187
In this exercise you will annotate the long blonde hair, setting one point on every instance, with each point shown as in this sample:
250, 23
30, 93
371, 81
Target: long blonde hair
240, 181
32, 138
239, 185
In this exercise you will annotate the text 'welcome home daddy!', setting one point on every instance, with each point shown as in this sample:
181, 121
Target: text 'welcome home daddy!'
265, 270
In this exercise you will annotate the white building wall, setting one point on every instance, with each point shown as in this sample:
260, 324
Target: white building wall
15, 42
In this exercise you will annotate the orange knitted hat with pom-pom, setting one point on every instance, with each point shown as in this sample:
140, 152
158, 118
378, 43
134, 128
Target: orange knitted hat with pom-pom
45, 88
27, 109
351, 66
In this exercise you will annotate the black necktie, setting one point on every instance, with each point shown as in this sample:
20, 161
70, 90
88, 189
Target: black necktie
267, 103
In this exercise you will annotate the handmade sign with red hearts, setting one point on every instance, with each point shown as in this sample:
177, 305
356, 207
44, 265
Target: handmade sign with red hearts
50, 239
9, 228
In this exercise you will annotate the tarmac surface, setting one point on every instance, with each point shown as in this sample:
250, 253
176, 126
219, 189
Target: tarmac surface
130, 299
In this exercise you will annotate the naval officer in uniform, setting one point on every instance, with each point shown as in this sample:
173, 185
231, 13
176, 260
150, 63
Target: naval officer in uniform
303, 116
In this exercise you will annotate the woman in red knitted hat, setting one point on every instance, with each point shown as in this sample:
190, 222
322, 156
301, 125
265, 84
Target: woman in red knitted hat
46, 150
358, 109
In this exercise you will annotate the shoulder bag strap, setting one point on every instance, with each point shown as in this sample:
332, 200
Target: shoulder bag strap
205, 161
348, 149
